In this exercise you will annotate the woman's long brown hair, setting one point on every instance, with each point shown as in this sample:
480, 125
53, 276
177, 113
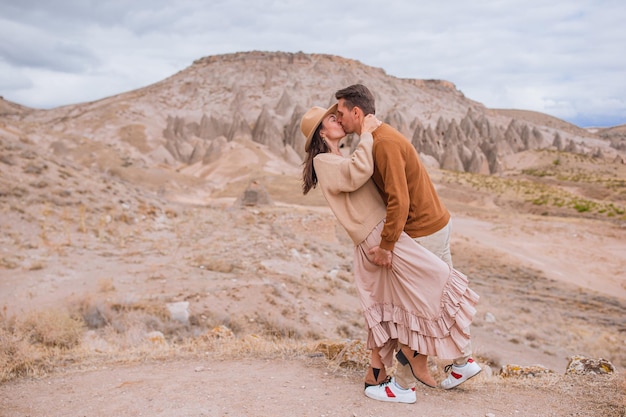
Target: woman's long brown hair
309, 177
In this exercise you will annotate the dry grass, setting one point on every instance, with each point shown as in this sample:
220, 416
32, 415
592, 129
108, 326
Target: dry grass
604, 395
575, 185
51, 328
33, 346
94, 332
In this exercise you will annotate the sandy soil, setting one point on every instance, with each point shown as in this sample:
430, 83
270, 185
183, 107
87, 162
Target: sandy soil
550, 286
503, 254
265, 388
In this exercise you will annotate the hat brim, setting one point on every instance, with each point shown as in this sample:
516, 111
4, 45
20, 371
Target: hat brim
332, 109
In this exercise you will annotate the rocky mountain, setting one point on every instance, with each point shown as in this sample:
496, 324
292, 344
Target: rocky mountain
194, 119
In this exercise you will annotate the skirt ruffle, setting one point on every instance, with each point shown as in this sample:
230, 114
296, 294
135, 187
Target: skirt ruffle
445, 337
421, 302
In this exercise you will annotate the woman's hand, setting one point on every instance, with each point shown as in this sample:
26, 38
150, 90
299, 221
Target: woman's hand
381, 257
370, 124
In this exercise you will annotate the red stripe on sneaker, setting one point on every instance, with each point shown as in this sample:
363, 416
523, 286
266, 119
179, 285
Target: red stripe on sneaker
457, 376
389, 392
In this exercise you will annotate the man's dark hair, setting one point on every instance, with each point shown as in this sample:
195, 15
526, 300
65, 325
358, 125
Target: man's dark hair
358, 95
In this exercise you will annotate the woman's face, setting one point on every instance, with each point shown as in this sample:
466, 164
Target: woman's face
331, 129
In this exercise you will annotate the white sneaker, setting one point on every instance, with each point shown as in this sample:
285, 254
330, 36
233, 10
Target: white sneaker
390, 391
460, 374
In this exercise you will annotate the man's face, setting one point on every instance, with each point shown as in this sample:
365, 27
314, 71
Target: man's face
347, 118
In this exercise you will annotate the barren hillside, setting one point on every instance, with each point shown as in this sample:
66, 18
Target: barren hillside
117, 211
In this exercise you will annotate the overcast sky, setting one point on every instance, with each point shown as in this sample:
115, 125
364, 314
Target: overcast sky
563, 58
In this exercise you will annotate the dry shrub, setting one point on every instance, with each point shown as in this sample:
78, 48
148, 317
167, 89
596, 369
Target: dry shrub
351, 354
9, 263
152, 308
276, 328
105, 285
52, 328
214, 264
237, 324
132, 320
17, 357
595, 395
95, 312
256, 346
125, 324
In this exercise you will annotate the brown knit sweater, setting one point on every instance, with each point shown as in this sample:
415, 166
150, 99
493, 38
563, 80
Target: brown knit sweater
412, 201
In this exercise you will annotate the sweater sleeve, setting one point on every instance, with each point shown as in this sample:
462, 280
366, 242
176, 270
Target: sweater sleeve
347, 174
391, 162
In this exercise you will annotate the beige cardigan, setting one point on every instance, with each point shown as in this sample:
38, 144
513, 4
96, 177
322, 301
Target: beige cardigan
347, 186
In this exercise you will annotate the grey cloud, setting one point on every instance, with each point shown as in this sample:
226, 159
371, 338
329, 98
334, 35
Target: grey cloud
547, 56
13, 79
32, 48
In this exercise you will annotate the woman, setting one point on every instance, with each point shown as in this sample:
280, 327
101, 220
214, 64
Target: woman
421, 301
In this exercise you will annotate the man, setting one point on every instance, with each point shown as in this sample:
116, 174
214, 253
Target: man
412, 201
413, 206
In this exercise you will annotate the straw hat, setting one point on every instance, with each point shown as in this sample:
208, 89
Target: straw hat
311, 120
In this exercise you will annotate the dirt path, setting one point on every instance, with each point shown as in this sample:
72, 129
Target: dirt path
586, 253
265, 388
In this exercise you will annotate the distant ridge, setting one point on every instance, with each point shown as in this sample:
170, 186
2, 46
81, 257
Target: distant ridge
193, 115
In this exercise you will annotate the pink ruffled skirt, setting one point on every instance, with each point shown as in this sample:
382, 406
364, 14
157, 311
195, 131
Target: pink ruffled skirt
421, 301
